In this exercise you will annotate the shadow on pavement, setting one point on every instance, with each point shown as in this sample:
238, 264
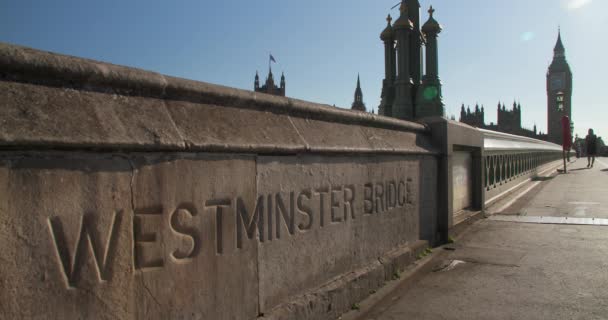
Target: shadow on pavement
579, 169
543, 178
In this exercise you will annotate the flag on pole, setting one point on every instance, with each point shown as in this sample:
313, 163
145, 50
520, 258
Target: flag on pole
272, 58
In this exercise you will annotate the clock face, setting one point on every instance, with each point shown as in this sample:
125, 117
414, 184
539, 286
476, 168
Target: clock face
558, 81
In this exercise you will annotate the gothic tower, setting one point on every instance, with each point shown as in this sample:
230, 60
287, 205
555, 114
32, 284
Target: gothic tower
406, 93
559, 92
415, 47
388, 84
269, 86
430, 98
358, 103
403, 106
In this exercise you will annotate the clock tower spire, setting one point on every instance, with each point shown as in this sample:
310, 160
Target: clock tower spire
559, 91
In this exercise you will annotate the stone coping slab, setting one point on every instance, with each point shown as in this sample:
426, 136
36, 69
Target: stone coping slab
54, 101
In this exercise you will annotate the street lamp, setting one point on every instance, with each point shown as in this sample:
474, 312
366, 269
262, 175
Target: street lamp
571, 131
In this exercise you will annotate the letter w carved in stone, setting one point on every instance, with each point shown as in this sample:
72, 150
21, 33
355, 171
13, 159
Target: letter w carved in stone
72, 262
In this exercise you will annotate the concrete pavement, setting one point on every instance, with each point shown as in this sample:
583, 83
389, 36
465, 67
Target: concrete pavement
517, 270
581, 193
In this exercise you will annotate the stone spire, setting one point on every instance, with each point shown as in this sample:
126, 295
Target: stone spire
559, 49
270, 78
358, 103
256, 83
559, 63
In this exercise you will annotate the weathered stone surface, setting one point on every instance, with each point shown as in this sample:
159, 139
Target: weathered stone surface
87, 237
40, 116
56, 101
219, 127
147, 236
338, 295
333, 215
383, 140
35, 115
462, 180
188, 263
429, 199
320, 135
65, 238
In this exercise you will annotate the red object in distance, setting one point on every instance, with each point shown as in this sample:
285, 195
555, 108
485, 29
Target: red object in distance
566, 134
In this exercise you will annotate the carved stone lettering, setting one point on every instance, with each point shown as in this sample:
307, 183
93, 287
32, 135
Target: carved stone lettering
401, 193
305, 209
410, 193
335, 204
288, 217
145, 240
273, 211
269, 211
322, 192
368, 198
379, 202
188, 211
391, 195
219, 205
103, 254
349, 199
249, 223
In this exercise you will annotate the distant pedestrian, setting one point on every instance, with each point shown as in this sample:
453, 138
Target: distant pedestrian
591, 144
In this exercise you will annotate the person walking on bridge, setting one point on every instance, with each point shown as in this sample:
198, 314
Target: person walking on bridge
591, 144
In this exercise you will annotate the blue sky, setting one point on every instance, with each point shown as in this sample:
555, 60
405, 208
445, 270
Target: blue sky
489, 50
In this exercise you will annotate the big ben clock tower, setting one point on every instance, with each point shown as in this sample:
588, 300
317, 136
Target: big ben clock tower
559, 92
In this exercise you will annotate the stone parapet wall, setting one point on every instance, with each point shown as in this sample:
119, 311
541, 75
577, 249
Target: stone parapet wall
126, 194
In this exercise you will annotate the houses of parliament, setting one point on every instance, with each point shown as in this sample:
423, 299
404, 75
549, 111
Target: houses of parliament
559, 104
408, 94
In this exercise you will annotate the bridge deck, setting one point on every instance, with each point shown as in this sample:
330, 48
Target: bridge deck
515, 265
582, 193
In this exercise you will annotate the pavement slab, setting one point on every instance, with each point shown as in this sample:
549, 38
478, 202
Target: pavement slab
511, 271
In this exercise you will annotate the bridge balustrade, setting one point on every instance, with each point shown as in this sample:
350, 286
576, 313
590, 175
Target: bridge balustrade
509, 159
478, 166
